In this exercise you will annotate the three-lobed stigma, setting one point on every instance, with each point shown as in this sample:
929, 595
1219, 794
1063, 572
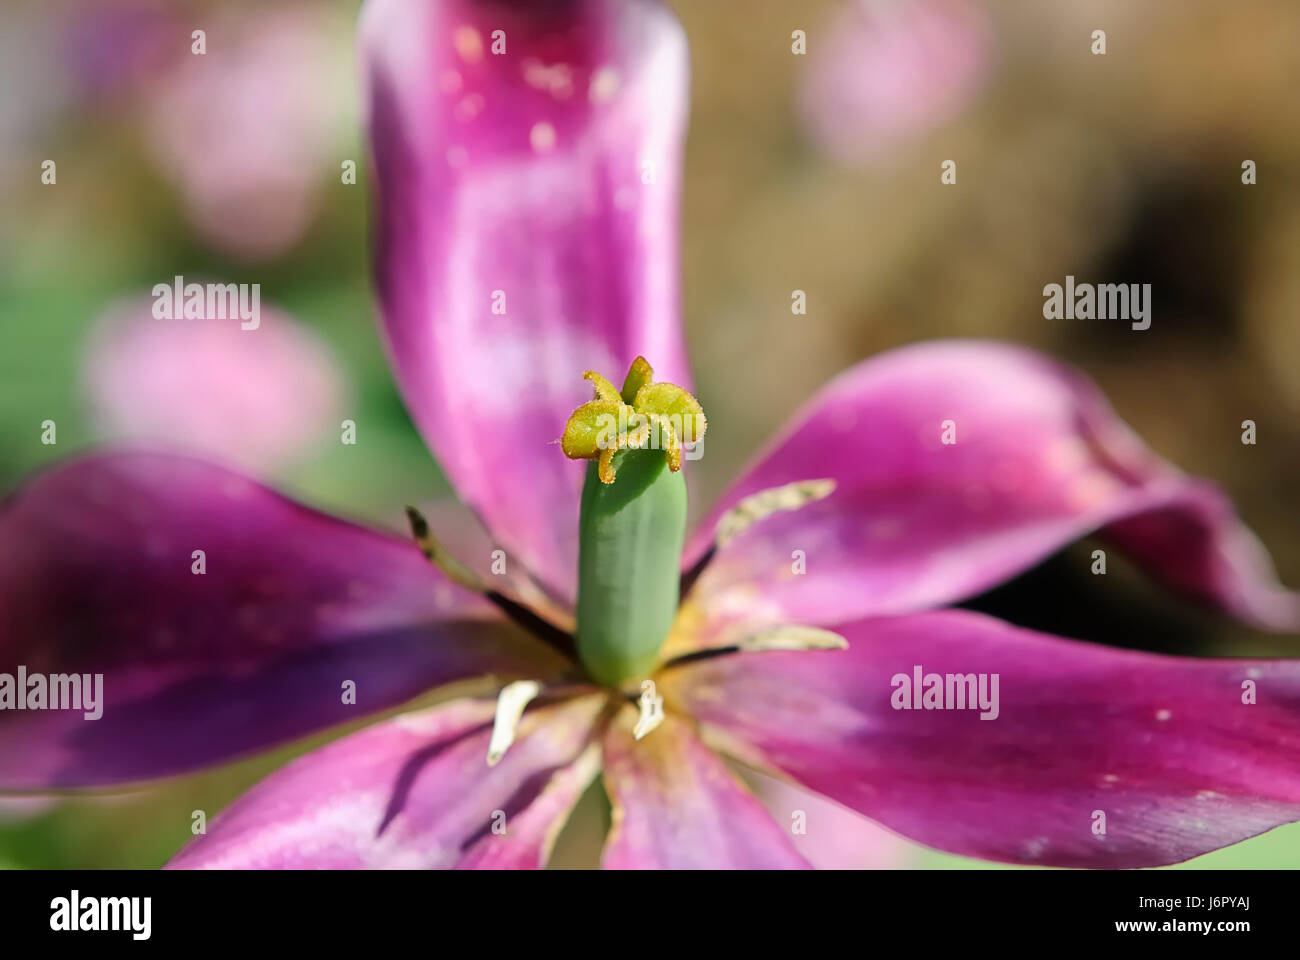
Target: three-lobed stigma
644, 415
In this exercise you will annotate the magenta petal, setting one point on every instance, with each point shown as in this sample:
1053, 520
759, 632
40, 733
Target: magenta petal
1039, 460
677, 807
414, 792
527, 231
1165, 748
97, 576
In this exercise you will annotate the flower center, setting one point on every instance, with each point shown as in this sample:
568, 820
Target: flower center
633, 520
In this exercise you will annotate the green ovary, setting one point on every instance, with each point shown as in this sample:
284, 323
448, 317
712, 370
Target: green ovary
628, 566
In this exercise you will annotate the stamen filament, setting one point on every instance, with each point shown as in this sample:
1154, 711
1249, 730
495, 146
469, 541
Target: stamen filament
793, 638
753, 509
651, 707
766, 641
512, 700
455, 571
761, 505
462, 575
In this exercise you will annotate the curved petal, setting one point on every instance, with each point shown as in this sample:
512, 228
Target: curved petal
526, 231
98, 562
1166, 749
1039, 460
414, 792
677, 807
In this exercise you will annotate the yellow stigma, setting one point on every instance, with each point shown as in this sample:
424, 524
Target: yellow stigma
644, 415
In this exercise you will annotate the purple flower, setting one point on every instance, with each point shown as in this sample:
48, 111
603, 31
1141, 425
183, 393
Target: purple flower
526, 233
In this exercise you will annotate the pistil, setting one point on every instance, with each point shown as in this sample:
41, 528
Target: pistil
633, 520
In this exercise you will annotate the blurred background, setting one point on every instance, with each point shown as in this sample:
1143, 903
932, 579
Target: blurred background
817, 172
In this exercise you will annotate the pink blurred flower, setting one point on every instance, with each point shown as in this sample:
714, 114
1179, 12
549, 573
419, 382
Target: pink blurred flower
883, 73
251, 397
247, 130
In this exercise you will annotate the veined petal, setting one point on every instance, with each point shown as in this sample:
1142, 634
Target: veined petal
957, 466
413, 793
677, 806
223, 617
527, 165
1172, 757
